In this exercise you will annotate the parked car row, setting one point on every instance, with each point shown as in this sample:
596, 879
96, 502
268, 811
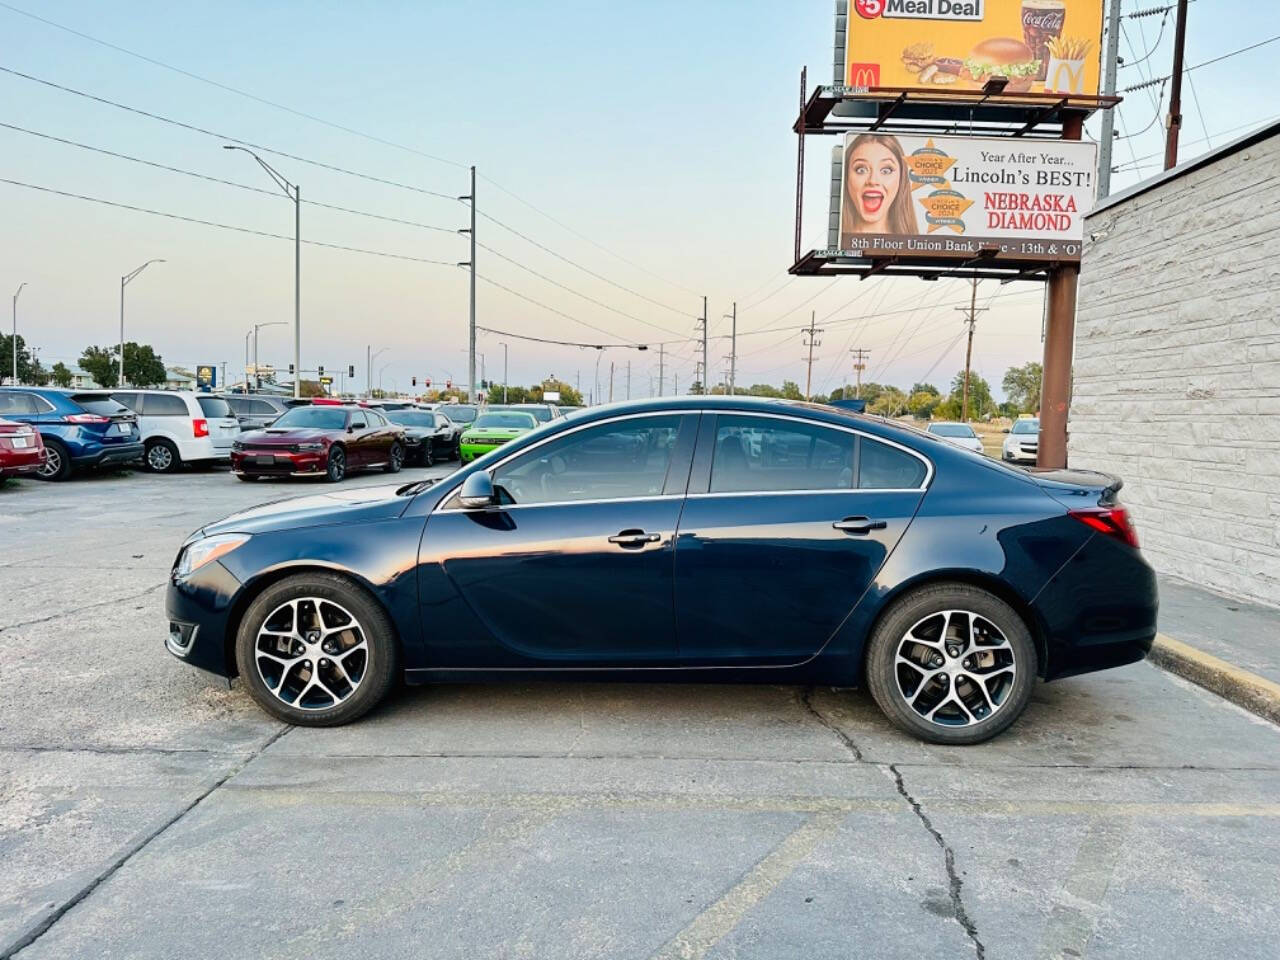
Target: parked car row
50, 432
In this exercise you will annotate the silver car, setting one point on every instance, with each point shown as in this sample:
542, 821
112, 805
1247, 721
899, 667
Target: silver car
1022, 443
961, 434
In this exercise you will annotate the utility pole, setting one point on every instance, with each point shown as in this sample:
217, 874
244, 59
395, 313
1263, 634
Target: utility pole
611, 381
973, 312
504, 373
705, 370
662, 356
859, 364
471, 330
1175, 89
733, 349
1108, 90
812, 331
14, 344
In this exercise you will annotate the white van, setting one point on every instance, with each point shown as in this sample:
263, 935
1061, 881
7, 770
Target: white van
179, 427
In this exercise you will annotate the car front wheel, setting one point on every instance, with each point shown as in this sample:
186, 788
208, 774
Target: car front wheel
316, 650
336, 468
951, 664
396, 460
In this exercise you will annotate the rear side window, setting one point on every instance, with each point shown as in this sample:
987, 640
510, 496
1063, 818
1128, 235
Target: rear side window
764, 454
130, 400
882, 467
100, 404
214, 408
23, 403
375, 418
163, 405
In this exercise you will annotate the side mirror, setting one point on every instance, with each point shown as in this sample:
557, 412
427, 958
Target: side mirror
1006, 430
477, 491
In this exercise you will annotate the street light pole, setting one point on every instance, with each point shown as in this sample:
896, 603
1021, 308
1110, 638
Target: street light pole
15, 332
257, 377
369, 357
124, 282
504, 371
294, 193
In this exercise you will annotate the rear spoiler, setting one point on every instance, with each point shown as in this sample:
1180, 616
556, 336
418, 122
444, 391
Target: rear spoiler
1084, 484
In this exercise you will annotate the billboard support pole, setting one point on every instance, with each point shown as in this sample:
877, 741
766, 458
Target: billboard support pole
1059, 344
1175, 89
662, 356
804, 73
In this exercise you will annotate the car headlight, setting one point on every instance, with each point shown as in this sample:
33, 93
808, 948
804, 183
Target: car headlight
237, 445
313, 446
200, 552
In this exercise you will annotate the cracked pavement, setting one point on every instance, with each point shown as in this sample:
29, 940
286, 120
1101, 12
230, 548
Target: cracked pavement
1127, 814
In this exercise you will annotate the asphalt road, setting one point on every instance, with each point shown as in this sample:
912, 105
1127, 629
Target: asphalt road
146, 811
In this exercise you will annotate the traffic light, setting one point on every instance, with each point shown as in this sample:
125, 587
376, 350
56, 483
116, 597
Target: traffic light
351, 370
291, 368
415, 381
320, 371
426, 382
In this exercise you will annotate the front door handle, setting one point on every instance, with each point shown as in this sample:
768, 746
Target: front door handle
635, 538
859, 525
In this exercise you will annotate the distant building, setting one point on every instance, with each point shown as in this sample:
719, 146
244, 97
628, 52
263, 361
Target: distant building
82, 381
175, 378
1176, 381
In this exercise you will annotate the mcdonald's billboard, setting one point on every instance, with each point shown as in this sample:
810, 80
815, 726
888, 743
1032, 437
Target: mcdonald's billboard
1038, 46
958, 197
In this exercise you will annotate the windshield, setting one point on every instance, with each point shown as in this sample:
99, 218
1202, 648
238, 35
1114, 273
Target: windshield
316, 418
511, 419
458, 413
1026, 426
951, 430
541, 414
214, 408
412, 418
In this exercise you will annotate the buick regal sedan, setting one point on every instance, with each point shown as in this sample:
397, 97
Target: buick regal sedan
685, 538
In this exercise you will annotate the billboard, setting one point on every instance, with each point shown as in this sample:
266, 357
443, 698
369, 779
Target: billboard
944, 197
206, 376
1040, 46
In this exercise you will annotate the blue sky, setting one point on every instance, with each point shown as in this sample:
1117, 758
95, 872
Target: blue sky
660, 130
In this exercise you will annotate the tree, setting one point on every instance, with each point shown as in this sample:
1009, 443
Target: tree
569, 397
889, 402
763, 390
27, 368
925, 388
981, 404
791, 390
143, 367
922, 403
869, 392
61, 374
1022, 386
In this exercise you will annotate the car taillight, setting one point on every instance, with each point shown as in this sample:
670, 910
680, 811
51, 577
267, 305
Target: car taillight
200, 428
1111, 521
86, 418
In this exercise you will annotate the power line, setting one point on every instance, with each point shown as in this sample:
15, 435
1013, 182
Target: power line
224, 226
567, 343
1197, 66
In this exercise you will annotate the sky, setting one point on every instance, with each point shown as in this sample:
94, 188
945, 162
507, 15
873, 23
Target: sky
636, 157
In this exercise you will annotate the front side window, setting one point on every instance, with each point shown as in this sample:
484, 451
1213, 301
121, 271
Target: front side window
758, 454
621, 460
358, 422
459, 413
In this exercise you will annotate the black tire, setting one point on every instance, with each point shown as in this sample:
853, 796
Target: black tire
336, 467
916, 608
427, 458
57, 466
380, 669
245, 477
161, 456
396, 459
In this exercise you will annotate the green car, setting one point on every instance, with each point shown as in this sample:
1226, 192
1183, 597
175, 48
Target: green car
491, 430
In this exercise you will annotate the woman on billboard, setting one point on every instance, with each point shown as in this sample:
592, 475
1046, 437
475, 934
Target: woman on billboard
877, 196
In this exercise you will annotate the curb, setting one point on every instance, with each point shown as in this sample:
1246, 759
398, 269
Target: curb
1256, 694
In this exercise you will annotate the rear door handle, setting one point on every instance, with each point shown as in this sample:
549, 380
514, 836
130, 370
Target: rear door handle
635, 538
859, 525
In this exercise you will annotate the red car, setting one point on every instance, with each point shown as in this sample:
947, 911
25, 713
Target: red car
21, 450
320, 441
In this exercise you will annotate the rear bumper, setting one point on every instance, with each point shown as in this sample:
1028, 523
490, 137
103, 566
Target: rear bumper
103, 455
17, 463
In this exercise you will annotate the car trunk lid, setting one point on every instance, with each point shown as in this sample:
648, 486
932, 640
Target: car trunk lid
1077, 488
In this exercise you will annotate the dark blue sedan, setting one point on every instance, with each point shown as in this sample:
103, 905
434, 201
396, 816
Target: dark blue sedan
689, 538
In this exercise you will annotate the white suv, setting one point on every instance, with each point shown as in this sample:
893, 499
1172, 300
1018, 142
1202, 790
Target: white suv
179, 427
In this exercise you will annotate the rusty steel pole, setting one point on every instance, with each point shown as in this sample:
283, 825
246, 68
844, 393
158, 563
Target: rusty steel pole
1175, 89
1059, 345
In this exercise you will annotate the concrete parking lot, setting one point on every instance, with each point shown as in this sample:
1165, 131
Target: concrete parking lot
148, 811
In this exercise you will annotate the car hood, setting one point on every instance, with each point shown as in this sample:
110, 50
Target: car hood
348, 505
279, 435
483, 432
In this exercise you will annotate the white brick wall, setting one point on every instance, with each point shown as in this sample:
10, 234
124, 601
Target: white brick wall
1177, 369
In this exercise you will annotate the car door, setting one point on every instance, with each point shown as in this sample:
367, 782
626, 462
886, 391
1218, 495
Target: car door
786, 523
574, 567
357, 440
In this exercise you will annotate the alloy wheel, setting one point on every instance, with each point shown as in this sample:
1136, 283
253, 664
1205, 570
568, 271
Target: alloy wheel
52, 464
955, 668
159, 458
311, 653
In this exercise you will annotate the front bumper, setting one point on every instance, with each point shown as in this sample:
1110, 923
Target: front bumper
199, 610
281, 463
1018, 455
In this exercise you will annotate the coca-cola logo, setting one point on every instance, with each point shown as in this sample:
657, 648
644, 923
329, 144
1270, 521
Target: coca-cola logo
1049, 20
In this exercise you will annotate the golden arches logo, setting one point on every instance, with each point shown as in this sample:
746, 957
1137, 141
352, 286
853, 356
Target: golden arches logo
864, 74
1065, 76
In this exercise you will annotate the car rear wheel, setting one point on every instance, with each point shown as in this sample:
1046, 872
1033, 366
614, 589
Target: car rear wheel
952, 664
162, 457
316, 650
57, 464
245, 477
336, 468
396, 459
427, 458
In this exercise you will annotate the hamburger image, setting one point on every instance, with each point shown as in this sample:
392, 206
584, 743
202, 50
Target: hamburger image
1003, 57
